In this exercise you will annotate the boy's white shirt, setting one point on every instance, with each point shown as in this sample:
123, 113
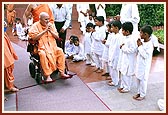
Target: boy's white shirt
155, 42
69, 48
144, 60
114, 50
97, 37
127, 56
105, 55
87, 41
79, 50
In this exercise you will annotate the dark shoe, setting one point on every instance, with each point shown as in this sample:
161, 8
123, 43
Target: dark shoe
136, 96
105, 74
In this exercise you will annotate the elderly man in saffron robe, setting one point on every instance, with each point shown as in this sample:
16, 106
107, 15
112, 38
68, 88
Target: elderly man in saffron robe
51, 56
9, 58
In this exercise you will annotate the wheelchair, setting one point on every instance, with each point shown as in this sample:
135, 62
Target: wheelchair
35, 68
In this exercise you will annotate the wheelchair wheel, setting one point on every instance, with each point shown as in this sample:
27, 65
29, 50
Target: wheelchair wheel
32, 69
38, 78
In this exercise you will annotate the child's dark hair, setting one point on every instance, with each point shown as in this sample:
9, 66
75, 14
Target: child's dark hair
74, 38
89, 25
100, 18
116, 23
147, 29
127, 26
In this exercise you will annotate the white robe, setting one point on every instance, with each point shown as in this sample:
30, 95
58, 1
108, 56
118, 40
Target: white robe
105, 55
101, 11
114, 50
143, 65
129, 12
87, 43
69, 49
79, 53
144, 59
155, 42
127, 56
97, 37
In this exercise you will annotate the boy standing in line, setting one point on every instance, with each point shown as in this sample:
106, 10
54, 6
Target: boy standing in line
114, 51
144, 59
127, 57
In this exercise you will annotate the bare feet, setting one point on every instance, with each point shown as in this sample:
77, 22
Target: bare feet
49, 79
13, 89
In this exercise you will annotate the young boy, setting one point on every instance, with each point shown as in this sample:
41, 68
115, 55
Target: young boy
127, 57
69, 47
114, 49
79, 50
97, 46
87, 45
106, 43
144, 59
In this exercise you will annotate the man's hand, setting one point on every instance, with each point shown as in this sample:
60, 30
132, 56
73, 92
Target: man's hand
62, 30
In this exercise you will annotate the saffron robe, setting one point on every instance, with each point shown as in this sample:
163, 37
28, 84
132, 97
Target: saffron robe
42, 8
51, 56
9, 58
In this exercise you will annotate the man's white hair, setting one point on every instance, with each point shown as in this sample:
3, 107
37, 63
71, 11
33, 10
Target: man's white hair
43, 14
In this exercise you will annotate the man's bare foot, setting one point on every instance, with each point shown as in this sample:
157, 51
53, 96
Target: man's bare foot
13, 89
49, 79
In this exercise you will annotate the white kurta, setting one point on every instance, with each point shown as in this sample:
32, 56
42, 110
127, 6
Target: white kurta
87, 43
97, 37
127, 56
144, 60
79, 53
114, 50
129, 12
105, 55
155, 42
69, 48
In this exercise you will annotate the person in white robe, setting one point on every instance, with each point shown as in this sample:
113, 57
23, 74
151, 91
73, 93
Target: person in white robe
69, 48
87, 45
129, 12
82, 10
100, 9
97, 46
79, 51
144, 60
105, 54
114, 51
127, 57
